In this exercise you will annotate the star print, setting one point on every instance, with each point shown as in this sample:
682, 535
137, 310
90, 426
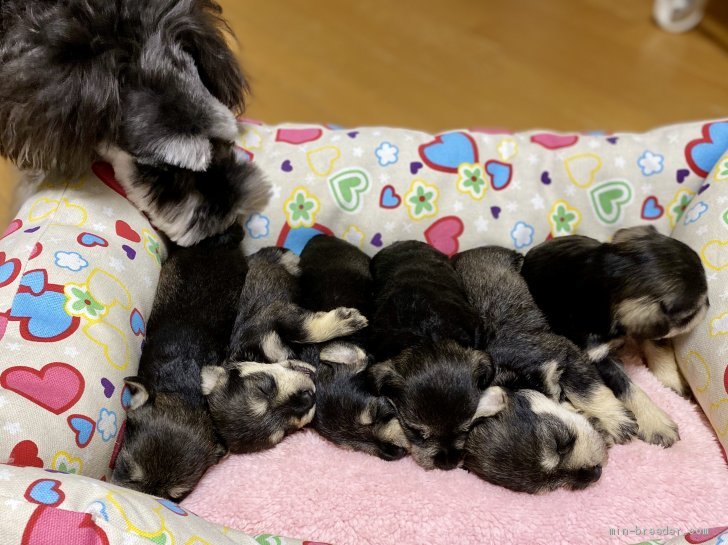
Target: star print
54, 240
408, 138
457, 206
702, 230
481, 224
100, 227
537, 202
357, 152
511, 206
13, 504
383, 178
516, 185
108, 211
13, 347
13, 428
3, 402
276, 192
712, 277
407, 227
672, 138
5, 475
115, 264
570, 190
724, 295
148, 281
646, 188
619, 161
71, 351
637, 138
310, 179
532, 158
723, 199
377, 133
389, 226
594, 143
336, 138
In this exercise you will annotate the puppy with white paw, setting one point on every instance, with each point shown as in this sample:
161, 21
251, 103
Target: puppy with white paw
170, 441
518, 338
422, 330
262, 392
642, 286
335, 273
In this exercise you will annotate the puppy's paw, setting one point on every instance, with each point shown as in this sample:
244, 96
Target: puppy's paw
345, 354
619, 427
657, 428
350, 319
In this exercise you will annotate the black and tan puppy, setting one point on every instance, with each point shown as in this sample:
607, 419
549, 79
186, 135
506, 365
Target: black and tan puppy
644, 286
170, 440
263, 392
534, 445
518, 338
335, 273
422, 328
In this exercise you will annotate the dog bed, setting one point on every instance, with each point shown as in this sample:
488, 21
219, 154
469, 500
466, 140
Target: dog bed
79, 267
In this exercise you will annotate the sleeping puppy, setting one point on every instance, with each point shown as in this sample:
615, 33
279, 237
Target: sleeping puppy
642, 286
335, 273
155, 81
170, 440
423, 328
534, 445
262, 392
518, 338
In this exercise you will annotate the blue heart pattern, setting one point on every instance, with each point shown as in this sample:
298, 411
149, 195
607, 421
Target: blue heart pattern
448, 151
9, 270
90, 240
389, 198
500, 174
45, 492
136, 321
39, 307
173, 507
702, 154
651, 209
83, 427
296, 239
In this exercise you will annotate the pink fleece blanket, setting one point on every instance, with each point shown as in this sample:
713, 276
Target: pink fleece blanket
308, 488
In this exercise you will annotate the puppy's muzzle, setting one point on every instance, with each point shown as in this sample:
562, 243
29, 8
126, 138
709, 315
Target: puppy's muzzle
302, 402
587, 476
448, 458
390, 452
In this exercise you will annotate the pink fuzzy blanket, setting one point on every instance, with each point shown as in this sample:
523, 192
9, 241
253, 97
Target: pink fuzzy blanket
308, 488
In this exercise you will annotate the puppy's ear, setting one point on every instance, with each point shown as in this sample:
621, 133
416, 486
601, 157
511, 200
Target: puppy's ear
219, 70
483, 371
386, 380
493, 401
221, 452
344, 353
213, 376
382, 410
630, 233
552, 372
140, 394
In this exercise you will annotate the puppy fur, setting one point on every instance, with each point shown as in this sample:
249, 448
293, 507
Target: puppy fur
169, 440
149, 86
78, 73
335, 273
643, 285
423, 328
189, 206
535, 445
518, 338
261, 393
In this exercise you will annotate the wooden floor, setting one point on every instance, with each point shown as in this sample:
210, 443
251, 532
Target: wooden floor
434, 64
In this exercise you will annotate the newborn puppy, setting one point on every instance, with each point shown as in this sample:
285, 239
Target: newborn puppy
335, 273
262, 393
535, 445
518, 338
643, 286
424, 326
170, 440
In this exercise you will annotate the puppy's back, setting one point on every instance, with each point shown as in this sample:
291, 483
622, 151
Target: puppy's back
419, 298
194, 311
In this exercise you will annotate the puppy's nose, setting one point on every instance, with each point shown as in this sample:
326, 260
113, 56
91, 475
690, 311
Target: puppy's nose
302, 402
448, 458
590, 475
391, 452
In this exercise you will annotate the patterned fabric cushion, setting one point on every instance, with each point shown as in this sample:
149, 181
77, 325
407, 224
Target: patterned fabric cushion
42, 507
78, 271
